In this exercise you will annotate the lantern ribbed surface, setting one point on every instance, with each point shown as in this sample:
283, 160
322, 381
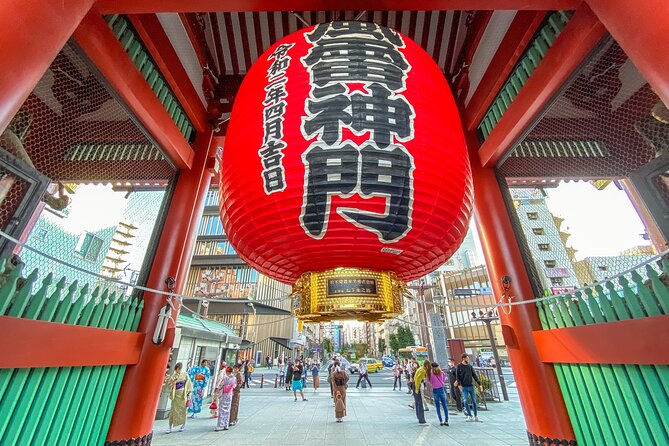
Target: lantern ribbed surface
345, 149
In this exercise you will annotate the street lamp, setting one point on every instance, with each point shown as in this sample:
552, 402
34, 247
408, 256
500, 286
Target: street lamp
488, 318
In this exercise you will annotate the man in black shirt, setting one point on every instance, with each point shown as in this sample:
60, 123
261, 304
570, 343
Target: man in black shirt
466, 376
455, 390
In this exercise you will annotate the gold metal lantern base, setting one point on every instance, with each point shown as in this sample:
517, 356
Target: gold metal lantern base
347, 293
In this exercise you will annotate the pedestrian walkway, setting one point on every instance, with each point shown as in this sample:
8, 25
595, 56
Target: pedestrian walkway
375, 417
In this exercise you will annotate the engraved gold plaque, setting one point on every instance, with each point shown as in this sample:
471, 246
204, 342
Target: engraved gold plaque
347, 293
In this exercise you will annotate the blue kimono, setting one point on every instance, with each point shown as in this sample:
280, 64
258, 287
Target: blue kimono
199, 376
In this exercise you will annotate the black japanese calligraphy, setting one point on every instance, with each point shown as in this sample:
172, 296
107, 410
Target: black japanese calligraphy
343, 56
273, 175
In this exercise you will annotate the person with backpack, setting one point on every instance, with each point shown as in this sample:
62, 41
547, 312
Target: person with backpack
466, 376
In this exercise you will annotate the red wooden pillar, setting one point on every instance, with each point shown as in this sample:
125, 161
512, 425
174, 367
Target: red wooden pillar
543, 406
184, 267
32, 32
640, 28
138, 399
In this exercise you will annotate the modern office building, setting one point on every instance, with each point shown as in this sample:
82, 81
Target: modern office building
226, 289
545, 240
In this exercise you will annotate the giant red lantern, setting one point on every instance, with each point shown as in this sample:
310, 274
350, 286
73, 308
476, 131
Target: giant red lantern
345, 150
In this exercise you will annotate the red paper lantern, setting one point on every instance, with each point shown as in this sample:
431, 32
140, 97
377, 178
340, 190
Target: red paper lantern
345, 149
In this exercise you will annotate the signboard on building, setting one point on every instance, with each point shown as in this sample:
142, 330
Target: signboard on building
557, 272
351, 286
563, 289
467, 291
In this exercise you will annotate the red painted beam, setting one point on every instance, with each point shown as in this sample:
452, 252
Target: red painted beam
138, 397
197, 38
520, 33
98, 42
633, 341
145, 6
640, 28
536, 381
34, 343
32, 33
475, 31
156, 41
571, 48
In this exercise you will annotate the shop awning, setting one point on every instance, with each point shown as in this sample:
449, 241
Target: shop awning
236, 306
202, 328
284, 342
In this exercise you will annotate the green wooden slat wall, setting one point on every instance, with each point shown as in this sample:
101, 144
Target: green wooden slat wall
614, 403
528, 62
61, 405
133, 45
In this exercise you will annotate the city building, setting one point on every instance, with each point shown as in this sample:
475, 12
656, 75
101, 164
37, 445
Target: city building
462, 293
114, 244
545, 240
197, 339
226, 289
140, 95
598, 269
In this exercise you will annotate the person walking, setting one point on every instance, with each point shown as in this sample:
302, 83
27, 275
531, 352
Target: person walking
438, 380
466, 376
397, 374
305, 369
314, 376
236, 394
362, 374
180, 390
298, 370
407, 375
289, 375
419, 376
282, 374
199, 376
225, 387
455, 390
247, 373
339, 380
330, 372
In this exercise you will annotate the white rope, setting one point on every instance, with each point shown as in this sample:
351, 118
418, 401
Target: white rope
170, 296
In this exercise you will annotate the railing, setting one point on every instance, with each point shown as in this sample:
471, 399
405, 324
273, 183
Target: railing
615, 403
60, 405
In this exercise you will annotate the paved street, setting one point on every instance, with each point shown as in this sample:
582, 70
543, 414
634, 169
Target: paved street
376, 416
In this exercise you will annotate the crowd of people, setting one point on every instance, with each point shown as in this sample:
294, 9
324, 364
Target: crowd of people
461, 379
187, 390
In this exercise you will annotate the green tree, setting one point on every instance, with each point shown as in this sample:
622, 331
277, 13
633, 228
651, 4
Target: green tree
360, 350
382, 346
327, 345
405, 337
394, 343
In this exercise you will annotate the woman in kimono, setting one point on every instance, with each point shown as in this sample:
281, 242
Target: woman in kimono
180, 390
234, 408
200, 377
224, 389
339, 380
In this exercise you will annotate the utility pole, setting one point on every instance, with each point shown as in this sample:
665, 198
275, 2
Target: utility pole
488, 318
424, 319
